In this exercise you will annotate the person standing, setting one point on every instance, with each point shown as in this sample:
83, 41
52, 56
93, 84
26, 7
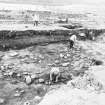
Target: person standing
36, 19
92, 35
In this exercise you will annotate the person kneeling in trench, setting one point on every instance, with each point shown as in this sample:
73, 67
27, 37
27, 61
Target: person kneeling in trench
54, 74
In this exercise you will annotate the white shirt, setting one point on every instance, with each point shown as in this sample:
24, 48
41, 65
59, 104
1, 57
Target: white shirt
73, 38
36, 18
55, 70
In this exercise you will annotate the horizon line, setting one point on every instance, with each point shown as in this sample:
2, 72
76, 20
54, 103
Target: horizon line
49, 4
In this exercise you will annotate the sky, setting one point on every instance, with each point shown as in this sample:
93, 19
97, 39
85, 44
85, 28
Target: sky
56, 2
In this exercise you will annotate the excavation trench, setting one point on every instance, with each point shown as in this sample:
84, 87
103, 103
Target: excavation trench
38, 61
22, 39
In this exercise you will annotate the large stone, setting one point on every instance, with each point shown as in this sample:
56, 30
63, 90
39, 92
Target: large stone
56, 61
2, 101
2, 67
5, 74
18, 75
22, 91
65, 64
5, 57
49, 64
65, 57
48, 82
82, 34
17, 94
61, 55
13, 53
40, 56
68, 55
39, 61
27, 103
10, 54
37, 98
41, 80
33, 76
28, 79
10, 73
25, 73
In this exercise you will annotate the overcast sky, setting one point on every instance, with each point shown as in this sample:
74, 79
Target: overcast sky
55, 2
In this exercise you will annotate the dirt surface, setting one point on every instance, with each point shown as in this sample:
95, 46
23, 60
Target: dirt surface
88, 89
16, 65
28, 53
24, 72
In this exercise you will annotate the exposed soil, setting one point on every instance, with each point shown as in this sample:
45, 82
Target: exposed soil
22, 39
36, 59
88, 89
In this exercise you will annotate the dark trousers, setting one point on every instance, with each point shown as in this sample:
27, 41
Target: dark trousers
71, 43
35, 23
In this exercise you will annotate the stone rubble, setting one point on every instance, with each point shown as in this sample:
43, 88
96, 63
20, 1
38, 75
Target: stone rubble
28, 80
65, 64
2, 101
64, 59
27, 103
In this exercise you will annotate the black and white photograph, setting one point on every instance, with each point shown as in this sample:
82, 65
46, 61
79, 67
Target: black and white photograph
52, 52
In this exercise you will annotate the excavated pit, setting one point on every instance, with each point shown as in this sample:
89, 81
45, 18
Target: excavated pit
52, 50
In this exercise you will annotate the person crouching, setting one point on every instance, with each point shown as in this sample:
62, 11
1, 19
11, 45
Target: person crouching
54, 74
72, 41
